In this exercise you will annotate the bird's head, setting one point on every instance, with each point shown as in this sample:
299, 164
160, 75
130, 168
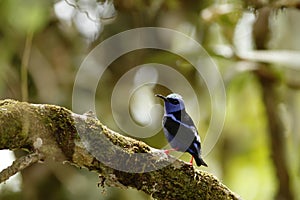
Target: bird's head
173, 102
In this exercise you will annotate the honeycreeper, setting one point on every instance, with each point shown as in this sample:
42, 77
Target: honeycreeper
179, 128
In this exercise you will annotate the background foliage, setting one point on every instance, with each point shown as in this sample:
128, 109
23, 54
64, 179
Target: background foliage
43, 43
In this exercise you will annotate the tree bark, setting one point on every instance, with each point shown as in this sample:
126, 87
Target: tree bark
56, 133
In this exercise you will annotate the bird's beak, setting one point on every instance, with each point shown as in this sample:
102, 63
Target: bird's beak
162, 97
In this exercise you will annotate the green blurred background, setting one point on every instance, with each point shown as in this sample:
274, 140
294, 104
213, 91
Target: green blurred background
254, 43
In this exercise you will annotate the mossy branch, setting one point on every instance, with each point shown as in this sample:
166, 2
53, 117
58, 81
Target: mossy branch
56, 133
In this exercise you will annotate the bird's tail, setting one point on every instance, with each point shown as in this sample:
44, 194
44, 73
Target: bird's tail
200, 161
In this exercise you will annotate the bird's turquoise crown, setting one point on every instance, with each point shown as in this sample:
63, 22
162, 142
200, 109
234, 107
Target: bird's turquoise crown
173, 102
175, 96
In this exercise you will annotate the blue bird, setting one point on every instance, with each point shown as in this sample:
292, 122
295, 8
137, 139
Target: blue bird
179, 128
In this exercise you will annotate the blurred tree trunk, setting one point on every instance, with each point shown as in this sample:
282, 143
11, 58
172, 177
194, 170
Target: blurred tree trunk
269, 82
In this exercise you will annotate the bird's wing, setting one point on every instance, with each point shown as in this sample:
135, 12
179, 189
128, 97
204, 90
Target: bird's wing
183, 117
187, 119
185, 136
170, 122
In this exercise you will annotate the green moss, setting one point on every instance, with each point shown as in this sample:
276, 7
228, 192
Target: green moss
13, 129
131, 145
59, 120
8, 102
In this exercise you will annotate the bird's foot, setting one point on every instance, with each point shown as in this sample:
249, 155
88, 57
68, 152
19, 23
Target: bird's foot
167, 151
191, 161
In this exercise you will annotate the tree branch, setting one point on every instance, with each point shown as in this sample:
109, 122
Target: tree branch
57, 133
20, 164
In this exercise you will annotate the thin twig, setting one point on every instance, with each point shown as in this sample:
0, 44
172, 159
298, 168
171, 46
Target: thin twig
24, 66
20, 164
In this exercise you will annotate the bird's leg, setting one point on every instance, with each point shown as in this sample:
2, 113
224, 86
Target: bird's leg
191, 161
167, 151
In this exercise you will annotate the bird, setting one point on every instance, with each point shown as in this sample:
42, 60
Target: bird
180, 129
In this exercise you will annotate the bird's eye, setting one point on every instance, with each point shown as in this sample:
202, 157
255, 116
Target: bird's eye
174, 101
